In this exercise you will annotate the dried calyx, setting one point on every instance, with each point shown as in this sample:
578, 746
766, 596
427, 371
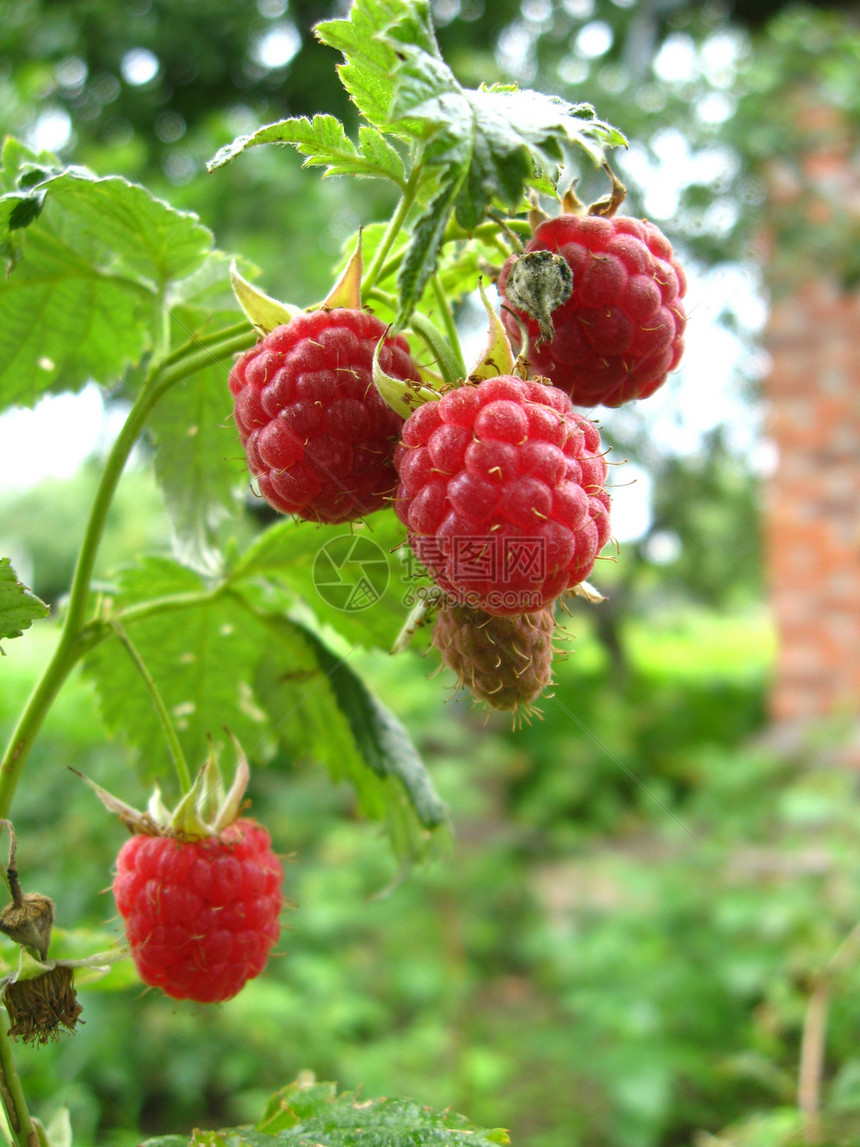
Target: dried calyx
29, 918
38, 1007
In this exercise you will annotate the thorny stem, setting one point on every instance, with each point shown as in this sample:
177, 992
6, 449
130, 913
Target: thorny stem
24, 1133
159, 706
814, 1038
75, 640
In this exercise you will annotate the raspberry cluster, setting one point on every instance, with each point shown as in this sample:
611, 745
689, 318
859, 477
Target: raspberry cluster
621, 330
201, 916
502, 492
319, 439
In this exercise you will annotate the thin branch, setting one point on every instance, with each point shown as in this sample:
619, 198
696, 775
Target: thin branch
814, 1040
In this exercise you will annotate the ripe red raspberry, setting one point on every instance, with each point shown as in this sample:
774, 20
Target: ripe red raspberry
201, 915
501, 488
621, 330
318, 437
504, 661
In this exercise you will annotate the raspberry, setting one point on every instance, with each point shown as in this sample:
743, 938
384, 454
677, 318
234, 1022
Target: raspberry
318, 437
501, 489
504, 661
200, 915
621, 330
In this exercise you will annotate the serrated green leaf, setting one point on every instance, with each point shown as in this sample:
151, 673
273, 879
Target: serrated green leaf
325, 143
420, 258
65, 321
350, 577
501, 139
147, 236
295, 1102
284, 688
19, 606
349, 731
369, 63
83, 291
383, 742
185, 651
475, 148
315, 1115
376, 149
199, 462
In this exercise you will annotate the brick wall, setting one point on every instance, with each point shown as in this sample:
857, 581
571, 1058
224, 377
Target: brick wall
812, 513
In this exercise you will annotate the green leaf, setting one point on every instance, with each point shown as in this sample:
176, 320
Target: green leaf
284, 689
475, 149
383, 742
420, 257
65, 320
199, 461
185, 650
149, 238
342, 725
351, 577
304, 1114
19, 606
376, 148
370, 63
325, 143
309, 1114
86, 276
499, 140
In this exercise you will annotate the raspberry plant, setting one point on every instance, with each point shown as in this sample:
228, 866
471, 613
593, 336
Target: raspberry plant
334, 407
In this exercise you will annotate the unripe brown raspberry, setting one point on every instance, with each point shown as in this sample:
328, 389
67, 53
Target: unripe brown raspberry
504, 661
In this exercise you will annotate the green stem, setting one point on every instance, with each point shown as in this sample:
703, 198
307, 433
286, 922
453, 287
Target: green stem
74, 639
21, 1125
454, 233
447, 316
450, 364
371, 274
159, 706
202, 341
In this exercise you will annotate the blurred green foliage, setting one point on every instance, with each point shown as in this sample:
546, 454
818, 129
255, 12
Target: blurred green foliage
619, 954
45, 524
